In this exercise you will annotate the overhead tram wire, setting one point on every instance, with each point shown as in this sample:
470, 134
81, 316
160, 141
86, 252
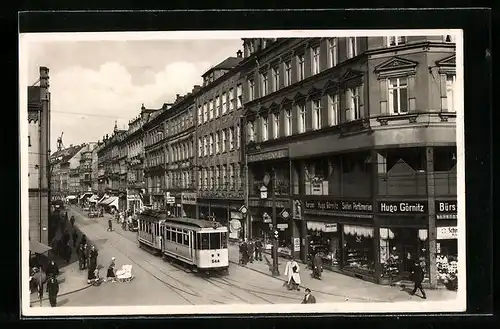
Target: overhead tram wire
90, 114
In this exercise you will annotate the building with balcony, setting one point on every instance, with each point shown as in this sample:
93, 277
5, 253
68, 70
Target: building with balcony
95, 168
219, 104
62, 163
358, 137
85, 167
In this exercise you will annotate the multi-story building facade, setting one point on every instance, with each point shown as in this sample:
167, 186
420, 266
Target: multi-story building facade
154, 158
358, 138
64, 172
95, 168
39, 159
179, 147
219, 105
85, 167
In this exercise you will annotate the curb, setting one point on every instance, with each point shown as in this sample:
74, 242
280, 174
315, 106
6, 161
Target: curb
63, 294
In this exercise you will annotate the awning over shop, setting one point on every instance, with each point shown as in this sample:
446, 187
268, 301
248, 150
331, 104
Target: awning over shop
322, 227
38, 247
85, 195
111, 201
102, 199
93, 198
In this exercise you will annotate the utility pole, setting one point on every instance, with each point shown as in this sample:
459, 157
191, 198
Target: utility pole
275, 271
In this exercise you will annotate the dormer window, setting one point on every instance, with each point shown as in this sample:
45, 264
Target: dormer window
396, 41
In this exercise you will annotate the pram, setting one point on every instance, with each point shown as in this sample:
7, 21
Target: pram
125, 274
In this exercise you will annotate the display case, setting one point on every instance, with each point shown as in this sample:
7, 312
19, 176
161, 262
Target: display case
359, 260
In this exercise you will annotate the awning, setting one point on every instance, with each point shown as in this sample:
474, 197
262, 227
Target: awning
93, 198
84, 195
103, 199
38, 247
111, 201
321, 226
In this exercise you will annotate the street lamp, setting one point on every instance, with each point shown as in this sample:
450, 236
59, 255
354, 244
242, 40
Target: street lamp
272, 180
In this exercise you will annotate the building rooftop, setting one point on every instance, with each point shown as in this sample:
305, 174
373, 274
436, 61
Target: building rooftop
226, 64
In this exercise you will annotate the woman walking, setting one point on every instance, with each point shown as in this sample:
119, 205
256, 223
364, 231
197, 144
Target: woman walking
111, 271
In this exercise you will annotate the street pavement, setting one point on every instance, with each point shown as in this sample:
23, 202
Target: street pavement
159, 282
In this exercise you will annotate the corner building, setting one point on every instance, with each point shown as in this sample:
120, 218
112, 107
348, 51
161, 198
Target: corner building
219, 105
360, 132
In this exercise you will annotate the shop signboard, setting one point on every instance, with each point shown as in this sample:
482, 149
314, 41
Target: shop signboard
282, 226
266, 156
188, 198
447, 233
296, 244
402, 207
170, 200
256, 203
330, 227
446, 209
339, 205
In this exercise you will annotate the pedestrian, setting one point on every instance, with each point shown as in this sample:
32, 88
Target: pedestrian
91, 274
111, 271
75, 238
53, 290
258, 250
85, 255
308, 298
72, 221
251, 249
93, 256
417, 275
244, 253
292, 271
40, 279
110, 225
67, 253
52, 269
81, 257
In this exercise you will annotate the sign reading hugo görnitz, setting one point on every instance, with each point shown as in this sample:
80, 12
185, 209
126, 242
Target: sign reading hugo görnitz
402, 207
338, 205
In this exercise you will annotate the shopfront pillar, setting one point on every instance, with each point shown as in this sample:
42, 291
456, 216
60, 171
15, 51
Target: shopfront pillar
377, 162
429, 152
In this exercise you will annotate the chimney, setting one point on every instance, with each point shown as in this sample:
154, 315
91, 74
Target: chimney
196, 88
239, 54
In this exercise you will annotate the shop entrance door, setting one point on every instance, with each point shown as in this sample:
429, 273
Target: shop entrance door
407, 264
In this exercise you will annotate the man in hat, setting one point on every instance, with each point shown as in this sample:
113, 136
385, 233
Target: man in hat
53, 289
308, 298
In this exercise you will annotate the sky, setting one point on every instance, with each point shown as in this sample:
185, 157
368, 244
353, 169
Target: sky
94, 83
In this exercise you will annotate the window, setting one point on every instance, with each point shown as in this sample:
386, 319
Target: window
210, 109
200, 115
217, 176
251, 90
223, 176
29, 141
231, 176
315, 60
264, 86
211, 138
276, 79
450, 92
231, 139
398, 96
288, 122
231, 98
301, 67
316, 111
224, 138
395, 41
217, 143
276, 125
203, 241
251, 131
205, 177
205, 146
265, 127
211, 174
288, 73
332, 52
217, 106
224, 103
302, 118
239, 95
238, 136
333, 109
353, 110
352, 47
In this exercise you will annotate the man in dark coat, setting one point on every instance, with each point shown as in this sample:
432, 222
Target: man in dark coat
258, 250
251, 249
81, 256
244, 252
93, 257
308, 298
52, 269
53, 289
417, 275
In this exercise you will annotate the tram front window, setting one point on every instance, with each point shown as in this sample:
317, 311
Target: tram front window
203, 241
215, 240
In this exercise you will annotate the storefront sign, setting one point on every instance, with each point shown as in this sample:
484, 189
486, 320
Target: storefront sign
267, 204
338, 205
188, 198
446, 209
266, 156
447, 233
396, 207
296, 244
282, 226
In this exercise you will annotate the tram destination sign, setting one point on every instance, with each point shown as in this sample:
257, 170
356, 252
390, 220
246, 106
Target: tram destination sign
339, 205
402, 207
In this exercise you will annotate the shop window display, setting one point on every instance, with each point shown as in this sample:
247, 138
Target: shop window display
327, 244
399, 249
446, 260
358, 249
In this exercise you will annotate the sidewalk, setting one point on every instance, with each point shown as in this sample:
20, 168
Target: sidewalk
71, 278
339, 284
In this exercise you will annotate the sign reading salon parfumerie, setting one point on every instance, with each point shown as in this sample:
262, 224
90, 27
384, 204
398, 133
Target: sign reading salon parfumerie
402, 207
337, 205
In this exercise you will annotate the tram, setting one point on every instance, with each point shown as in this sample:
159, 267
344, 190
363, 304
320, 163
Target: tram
202, 245
150, 231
